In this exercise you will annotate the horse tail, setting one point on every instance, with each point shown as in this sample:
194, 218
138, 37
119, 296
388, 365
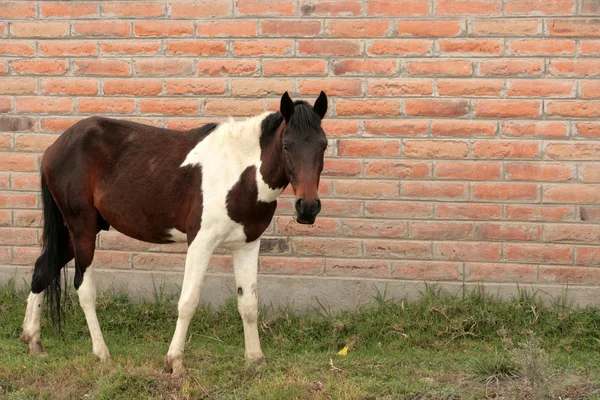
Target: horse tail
55, 251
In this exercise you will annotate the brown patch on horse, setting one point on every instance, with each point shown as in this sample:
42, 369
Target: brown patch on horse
244, 207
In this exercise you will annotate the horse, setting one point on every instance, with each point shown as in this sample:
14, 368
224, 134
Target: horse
213, 186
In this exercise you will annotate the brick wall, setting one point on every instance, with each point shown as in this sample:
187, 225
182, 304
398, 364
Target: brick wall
463, 134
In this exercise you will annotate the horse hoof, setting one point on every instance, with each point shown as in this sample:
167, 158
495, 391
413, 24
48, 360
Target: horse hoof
36, 349
174, 365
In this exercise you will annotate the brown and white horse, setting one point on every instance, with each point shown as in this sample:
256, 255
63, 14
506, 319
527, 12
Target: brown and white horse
212, 186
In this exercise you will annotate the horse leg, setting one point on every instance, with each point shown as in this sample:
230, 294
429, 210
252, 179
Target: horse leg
196, 262
245, 267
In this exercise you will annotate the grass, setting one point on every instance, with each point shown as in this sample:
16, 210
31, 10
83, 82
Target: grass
440, 347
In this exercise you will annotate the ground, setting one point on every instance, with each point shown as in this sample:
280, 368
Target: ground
440, 347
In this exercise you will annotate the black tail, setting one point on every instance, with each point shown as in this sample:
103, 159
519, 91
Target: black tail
54, 257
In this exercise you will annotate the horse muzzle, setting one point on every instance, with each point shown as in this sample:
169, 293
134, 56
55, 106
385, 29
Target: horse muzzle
307, 211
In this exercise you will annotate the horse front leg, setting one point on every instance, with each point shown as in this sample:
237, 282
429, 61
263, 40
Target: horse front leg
245, 266
196, 262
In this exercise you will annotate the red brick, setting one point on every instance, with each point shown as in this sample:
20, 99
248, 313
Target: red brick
105, 105
102, 28
132, 87
337, 167
384, 47
232, 107
465, 7
196, 48
163, 28
434, 190
17, 10
17, 200
574, 109
45, 105
440, 68
6, 141
471, 47
69, 10
13, 124
338, 127
590, 7
534, 129
463, 128
398, 7
468, 211
399, 87
17, 48
266, 7
70, 86
359, 28
398, 169
539, 7
3, 28
360, 268
576, 275
538, 172
365, 66
396, 127
18, 236
40, 29
330, 7
542, 47
57, 124
40, 67
589, 47
435, 149
102, 67
539, 213
227, 67
505, 191
34, 142
508, 67
575, 68
426, 270
294, 67
28, 218
507, 108
263, 47
18, 85
226, 28
591, 130
572, 233
339, 208
391, 209
327, 247
539, 88
362, 148
366, 189
290, 28
322, 227
397, 249
334, 47
501, 272
25, 181
475, 171
441, 230
169, 106
200, 9
363, 107
132, 9
574, 28
500, 232
469, 87
332, 86
63, 48
506, 27
193, 86
457, 251
165, 66
436, 108
118, 47
5, 104
587, 255
371, 228
291, 266
552, 254
157, 261
429, 28
590, 89
584, 193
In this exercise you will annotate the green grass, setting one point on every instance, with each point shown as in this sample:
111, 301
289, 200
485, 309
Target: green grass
440, 347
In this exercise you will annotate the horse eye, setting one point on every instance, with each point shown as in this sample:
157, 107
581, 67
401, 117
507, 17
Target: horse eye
286, 148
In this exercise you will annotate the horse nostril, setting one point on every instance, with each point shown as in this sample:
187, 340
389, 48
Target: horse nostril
300, 205
317, 206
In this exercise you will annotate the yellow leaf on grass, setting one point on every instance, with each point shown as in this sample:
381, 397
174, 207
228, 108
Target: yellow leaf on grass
343, 351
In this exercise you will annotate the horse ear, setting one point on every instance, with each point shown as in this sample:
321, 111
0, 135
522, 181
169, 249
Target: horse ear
321, 105
286, 106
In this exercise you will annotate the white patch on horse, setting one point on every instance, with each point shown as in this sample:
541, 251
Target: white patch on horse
224, 155
176, 235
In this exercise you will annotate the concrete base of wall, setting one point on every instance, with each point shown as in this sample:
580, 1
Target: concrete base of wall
305, 293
